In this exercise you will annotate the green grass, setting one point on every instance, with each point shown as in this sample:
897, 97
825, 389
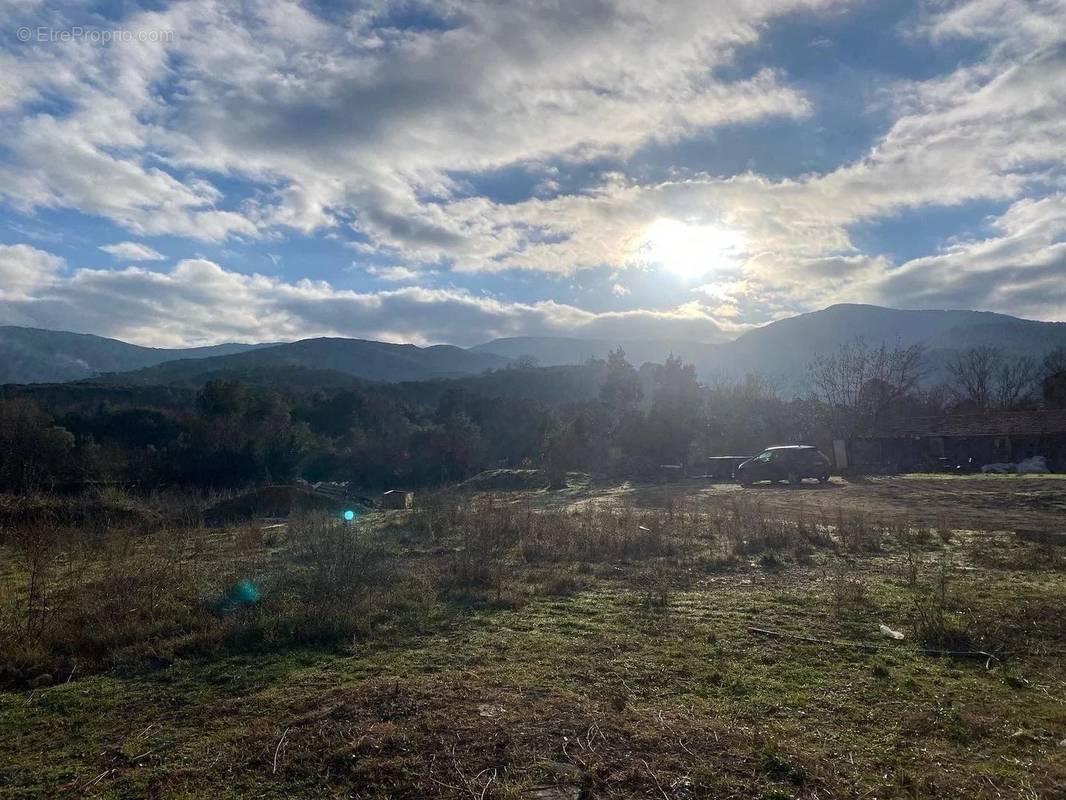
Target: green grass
930, 722
604, 685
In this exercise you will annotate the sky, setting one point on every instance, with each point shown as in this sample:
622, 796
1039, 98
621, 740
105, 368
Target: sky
188, 173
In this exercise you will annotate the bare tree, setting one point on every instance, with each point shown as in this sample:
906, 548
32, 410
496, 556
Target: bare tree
1053, 378
1054, 362
973, 372
1016, 382
986, 378
859, 384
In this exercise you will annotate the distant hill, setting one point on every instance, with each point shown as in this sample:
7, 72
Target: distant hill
781, 350
784, 349
553, 351
376, 361
32, 355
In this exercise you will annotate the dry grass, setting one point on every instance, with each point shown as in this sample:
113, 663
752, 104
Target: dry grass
515, 644
90, 597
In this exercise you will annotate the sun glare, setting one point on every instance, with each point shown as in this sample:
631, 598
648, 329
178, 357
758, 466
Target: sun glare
690, 251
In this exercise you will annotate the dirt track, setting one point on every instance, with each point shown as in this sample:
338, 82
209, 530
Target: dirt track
978, 502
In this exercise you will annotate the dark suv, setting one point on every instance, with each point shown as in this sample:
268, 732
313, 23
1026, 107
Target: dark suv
792, 463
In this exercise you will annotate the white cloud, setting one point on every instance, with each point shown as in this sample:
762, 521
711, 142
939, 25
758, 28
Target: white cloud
361, 122
363, 128
397, 274
1020, 270
24, 269
132, 251
199, 302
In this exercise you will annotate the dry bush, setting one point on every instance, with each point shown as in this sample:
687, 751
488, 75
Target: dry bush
322, 590
652, 584
848, 591
86, 599
83, 597
857, 534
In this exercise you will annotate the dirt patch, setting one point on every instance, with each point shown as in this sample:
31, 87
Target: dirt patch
506, 480
270, 501
993, 503
433, 738
984, 503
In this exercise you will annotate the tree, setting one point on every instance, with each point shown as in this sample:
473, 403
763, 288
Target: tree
985, 378
859, 384
456, 446
526, 361
221, 397
1054, 390
579, 444
1054, 362
1053, 378
621, 389
33, 451
747, 415
675, 412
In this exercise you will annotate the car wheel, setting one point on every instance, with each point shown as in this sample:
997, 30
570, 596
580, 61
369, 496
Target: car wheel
823, 478
794, 478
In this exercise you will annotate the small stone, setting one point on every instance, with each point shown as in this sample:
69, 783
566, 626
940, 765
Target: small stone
564, 792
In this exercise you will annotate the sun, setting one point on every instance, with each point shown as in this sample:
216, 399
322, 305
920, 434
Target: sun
689, 250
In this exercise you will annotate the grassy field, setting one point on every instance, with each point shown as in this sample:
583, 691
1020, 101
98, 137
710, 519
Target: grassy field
675, 642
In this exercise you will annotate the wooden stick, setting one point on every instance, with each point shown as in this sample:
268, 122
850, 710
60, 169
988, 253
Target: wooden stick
277, 750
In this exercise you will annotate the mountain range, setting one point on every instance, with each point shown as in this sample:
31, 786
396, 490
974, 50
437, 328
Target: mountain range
33, 355
781, 350
784, 349
360, 358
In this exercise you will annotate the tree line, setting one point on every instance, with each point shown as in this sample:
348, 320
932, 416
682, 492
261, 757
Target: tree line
606, 417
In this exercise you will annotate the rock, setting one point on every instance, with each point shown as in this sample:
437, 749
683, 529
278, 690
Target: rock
489, 710
891, 634
999, 468
565, 772
1037, 465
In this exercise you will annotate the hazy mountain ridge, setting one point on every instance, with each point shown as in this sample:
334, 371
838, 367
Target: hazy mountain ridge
360, 358
554, 351
781, 350
35, 355
784, 350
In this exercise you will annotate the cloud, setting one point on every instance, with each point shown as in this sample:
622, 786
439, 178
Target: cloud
24, 269
132, 251
1020, 270
1017, 25
200, 302
359, 122
258, 120
397, 274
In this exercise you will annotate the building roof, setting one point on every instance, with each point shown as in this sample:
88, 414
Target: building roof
1038, 422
